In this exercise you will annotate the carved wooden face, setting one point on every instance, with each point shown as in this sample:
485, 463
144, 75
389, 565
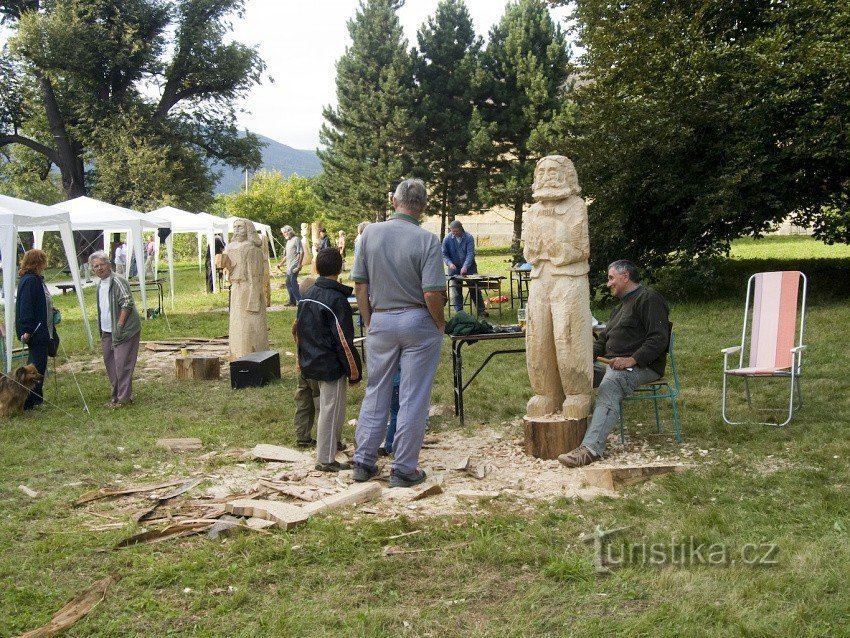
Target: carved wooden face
240, 230
551, 181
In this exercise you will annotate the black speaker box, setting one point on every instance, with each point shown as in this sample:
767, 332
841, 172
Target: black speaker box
255, 369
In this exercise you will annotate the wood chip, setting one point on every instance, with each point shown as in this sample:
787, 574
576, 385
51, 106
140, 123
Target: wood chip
285, 515
28, 491
74, 610
613, 478
430, 490
180, 445
359, 493
185, 487
107, 492
172, 531
461, 467
259, 523
301, 493
278, 453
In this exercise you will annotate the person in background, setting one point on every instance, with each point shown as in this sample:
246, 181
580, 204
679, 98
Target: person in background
326, 353
360, 228
459, 257
120, 258
293, 259
211, 268
120, 329
34, 317
324, 240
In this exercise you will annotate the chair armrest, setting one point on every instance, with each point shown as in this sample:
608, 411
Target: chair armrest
798, 349
731, 350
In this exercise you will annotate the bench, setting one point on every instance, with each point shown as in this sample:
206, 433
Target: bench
65, 287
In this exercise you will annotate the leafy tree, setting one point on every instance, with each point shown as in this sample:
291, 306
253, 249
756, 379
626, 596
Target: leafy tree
444, 66
26, 175
75, 72
702, 122
523, 113
273, 199
368, 136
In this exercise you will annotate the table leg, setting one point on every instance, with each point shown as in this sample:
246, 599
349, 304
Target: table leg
457, 361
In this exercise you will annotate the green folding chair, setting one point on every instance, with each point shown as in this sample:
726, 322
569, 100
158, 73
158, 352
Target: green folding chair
662, 388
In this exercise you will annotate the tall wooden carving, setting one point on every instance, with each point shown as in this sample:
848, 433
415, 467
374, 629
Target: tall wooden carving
559, 346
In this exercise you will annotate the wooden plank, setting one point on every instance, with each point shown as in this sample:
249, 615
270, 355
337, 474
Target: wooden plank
359, 493
612, 478
180, 445
285, 515
278, 453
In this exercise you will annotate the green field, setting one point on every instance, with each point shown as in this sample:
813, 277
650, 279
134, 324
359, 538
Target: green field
501, 572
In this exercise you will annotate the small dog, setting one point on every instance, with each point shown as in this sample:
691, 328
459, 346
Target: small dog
14, 389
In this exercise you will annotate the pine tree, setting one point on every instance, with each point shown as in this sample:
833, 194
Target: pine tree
368, 136
444, 66
523, 112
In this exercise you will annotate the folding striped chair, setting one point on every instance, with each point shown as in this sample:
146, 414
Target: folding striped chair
771, 307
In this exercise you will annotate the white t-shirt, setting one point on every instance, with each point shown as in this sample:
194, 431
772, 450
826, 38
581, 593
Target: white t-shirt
103, 304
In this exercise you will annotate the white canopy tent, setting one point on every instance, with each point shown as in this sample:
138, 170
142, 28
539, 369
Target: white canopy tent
87, 213
182, 221
18, 215
263, 229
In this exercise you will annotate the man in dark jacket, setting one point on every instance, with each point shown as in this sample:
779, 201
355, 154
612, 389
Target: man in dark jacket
326, 352
459, 256
634, 345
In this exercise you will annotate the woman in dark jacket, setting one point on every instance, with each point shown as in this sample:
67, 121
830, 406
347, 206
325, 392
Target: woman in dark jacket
34, 317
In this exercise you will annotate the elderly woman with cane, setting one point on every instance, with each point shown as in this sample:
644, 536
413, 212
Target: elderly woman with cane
34, 318
120, 329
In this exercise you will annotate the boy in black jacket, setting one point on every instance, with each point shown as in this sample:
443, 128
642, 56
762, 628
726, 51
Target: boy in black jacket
326, 353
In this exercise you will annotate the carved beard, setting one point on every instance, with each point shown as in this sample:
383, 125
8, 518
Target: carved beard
552, 193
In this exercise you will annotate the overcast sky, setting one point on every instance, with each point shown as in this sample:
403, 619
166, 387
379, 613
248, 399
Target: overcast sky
300, 41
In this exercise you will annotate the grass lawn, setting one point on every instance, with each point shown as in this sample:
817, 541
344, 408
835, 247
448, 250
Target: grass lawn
752, 488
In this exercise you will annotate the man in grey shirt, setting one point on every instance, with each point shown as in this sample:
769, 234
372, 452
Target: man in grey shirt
293, 257
400, 289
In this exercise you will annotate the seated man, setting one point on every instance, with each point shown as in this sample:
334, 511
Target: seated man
635, 341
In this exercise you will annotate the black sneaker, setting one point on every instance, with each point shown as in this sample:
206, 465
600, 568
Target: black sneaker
382, 451
399, 479
333, 466
310, 443
363, 473
340, 446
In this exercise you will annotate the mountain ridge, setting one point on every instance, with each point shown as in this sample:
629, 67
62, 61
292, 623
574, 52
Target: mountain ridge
276, 156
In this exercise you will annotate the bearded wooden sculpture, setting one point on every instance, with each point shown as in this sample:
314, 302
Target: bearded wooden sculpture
559, 346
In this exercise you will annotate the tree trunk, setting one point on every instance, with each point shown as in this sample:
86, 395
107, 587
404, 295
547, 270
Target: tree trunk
67, 151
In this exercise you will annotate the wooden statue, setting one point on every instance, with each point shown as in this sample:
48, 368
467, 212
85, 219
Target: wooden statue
243, 259
559, 346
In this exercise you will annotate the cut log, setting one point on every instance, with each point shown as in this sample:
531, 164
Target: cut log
278, 453
198, 368
613, 478
359, 493
550, 436
285, 515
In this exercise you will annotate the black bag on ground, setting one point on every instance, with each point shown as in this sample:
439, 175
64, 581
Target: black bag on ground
53, 346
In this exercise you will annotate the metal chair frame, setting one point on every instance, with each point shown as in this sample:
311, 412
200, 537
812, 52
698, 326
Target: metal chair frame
659, 389
794, 372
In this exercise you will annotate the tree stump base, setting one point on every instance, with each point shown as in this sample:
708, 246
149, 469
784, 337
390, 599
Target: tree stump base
550, 436
198, 368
